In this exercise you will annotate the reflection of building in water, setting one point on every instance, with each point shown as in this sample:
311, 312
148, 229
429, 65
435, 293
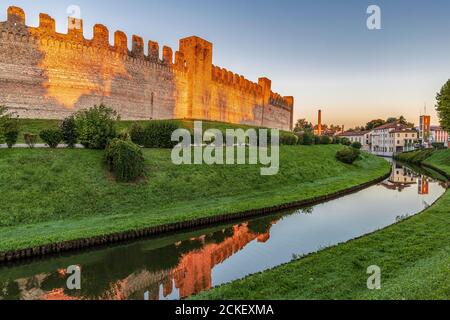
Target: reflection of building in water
402, 175
401, 178
187, 272
424, 185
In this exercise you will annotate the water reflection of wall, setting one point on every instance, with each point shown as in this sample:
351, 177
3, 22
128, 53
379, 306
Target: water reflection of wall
184, 268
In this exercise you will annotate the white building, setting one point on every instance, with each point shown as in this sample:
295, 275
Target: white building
438, 135
392, 138
363, 137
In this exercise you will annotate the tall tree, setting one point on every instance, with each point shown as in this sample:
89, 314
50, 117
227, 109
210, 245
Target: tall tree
303, 125
443, 106
374, 124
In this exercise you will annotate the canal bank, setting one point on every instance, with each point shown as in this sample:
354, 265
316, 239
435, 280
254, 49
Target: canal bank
63, 200
183, 264
413, 255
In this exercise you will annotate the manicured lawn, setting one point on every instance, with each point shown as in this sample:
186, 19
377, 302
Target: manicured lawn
414, 257
57, 195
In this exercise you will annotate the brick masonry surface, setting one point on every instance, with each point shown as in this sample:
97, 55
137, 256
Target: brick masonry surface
48, 75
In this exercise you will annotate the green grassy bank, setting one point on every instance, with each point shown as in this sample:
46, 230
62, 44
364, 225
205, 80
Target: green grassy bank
52, 196
414, 256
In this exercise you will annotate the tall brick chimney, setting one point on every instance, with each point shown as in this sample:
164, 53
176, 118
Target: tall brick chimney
319, 124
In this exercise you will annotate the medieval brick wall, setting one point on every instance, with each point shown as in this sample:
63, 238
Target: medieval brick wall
48, 75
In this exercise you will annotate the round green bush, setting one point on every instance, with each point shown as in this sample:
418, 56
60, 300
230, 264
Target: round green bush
11, 132
288, 139
137, 134
52, 137
69, 131
348, 155
125, 160
95, 126
308, 139
158, 134
346, 142
357, 145
336, 140
325, 140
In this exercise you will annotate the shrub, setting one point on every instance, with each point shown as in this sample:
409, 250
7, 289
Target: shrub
158, 134
288, 139
308, 139
4, 118
348, 155
69, 131
301, 139
95, 126
346, 142
317, 140
325, 140
336, 140
125, 160
124, 135
52, 137
137, 134
30, 139
357, 145
438, 145
11, 132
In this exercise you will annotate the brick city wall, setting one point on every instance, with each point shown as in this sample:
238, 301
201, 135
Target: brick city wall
48, 75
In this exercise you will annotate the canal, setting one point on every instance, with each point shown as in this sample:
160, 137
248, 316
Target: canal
183, 264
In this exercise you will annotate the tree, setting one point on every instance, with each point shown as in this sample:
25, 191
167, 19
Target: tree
303, 125
443, 106
391, 120
4, 118
374, 124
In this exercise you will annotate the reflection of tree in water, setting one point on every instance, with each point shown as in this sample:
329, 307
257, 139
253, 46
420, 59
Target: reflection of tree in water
129, 271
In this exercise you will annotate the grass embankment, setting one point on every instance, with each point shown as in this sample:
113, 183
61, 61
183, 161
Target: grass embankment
414, 256
35, 126
53, 196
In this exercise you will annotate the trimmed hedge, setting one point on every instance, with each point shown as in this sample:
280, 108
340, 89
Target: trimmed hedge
325, 140
125, 160
288, 139
52, 137
158, 134
137, 134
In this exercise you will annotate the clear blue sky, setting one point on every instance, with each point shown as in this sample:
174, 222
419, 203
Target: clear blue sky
320, 51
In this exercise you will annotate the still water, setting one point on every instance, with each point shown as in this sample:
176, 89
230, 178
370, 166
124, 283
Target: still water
183, 264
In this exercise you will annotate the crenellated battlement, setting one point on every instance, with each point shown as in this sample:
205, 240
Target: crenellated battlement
48, 74
222, 75
15, 28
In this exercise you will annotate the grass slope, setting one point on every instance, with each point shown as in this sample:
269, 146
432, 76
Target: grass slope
57, 195
414, 257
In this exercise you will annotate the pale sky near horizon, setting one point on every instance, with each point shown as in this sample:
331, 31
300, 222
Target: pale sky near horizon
319, 51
